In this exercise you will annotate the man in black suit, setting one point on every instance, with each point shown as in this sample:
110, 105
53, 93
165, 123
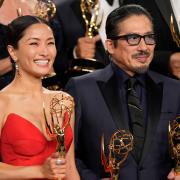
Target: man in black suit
73, 41
167, 52
102, 102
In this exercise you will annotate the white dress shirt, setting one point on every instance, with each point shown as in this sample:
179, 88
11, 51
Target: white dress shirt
105, 9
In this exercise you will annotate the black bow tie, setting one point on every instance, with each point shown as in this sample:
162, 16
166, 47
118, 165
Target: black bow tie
110, 2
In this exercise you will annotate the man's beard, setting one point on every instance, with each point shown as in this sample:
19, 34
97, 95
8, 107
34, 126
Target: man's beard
141, 70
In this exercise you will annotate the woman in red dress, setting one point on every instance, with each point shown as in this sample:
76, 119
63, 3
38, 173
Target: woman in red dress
35, 122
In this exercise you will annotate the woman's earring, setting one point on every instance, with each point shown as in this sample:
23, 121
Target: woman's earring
19, 12
17, 69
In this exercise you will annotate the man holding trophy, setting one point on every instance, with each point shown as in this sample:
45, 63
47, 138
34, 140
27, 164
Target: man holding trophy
125, 97
76, 18
75, 44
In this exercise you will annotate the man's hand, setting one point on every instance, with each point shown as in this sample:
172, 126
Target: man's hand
172, 176
175, 64
86, 47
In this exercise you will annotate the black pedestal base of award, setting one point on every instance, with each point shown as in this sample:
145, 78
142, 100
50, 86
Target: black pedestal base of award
83, 66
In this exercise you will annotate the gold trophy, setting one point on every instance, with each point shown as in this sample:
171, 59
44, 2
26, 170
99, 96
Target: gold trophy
45, 9
174, 34
121, 143
61, 108
92, 18
90, 13
174, 142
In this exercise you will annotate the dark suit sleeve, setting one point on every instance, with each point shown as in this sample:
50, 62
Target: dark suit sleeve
3, 38
84, 171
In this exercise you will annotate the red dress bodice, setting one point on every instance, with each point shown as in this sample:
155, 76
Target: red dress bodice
23, 144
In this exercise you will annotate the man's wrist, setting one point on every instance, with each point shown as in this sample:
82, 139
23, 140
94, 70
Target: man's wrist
177, 173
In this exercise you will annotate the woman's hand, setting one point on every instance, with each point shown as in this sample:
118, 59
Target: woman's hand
54, 167
173, 176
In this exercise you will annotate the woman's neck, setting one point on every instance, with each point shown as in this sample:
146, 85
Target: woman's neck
28, 85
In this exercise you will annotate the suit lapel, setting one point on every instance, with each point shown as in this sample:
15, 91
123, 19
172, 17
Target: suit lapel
109, 90
75, 6
154, 99
111, 96
165, 9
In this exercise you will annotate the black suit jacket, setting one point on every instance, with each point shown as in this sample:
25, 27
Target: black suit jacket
99, 110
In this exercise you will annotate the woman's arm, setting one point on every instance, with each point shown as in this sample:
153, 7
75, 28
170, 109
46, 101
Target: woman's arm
49, 170
19, 172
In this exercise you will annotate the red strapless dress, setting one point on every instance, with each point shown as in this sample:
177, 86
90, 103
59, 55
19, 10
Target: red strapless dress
22, 144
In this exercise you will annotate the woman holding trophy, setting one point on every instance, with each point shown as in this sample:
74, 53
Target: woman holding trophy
36, 124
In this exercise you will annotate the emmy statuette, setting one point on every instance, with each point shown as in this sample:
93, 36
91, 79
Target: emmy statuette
92, 18
174, 143
174, 33
121, 143
45, 9
60, 115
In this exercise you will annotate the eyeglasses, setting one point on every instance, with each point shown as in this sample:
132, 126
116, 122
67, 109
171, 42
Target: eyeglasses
134, 39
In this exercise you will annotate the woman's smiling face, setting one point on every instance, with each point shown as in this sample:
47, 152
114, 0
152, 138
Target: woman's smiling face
36, 50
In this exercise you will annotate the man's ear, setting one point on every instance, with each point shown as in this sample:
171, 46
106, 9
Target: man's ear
109, 46
12, 52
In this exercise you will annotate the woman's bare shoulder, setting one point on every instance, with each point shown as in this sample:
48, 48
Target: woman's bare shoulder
8, 95
4, 98
4, 104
